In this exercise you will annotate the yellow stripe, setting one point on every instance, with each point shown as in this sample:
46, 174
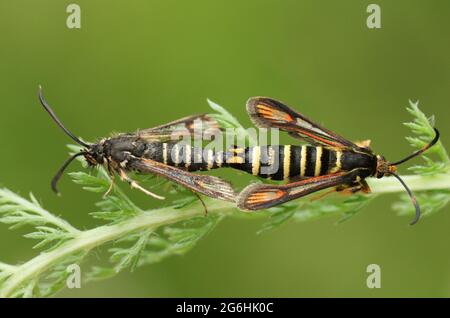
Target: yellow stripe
187, 152
210, 159
286, 162
235, 160
337, 166
303, 161
238, 150
256, 160
318, 161
165, 153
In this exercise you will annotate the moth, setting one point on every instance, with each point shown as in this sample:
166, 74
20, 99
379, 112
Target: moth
327, 161
151, 151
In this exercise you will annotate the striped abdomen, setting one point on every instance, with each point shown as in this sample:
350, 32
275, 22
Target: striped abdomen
289, 161
280, 162
185, 156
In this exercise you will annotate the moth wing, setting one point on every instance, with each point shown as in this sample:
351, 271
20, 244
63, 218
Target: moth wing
208, 185
267, 112
263, 196
197, 126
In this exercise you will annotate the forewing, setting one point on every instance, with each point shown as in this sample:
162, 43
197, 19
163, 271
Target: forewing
208, 185
263, 196
197, 126
268, 113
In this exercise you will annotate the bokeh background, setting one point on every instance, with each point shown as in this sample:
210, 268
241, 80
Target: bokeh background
137, 64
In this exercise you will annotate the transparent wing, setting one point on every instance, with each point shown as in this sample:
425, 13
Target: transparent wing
208, 185
197, 126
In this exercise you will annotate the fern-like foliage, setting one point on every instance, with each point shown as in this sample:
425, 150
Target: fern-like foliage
132, 236
431, 201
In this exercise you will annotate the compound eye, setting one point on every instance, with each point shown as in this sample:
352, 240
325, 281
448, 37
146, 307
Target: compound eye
90, 159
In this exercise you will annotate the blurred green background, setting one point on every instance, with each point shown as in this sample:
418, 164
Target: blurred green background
137, 64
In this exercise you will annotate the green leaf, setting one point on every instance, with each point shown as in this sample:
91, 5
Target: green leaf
227, 120
89, 182
129, 257
99, 273
178, 239
430, 202
48, 235
279, 216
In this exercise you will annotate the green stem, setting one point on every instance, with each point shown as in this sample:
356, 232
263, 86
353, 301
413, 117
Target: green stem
87, 240
7, 268
414, 182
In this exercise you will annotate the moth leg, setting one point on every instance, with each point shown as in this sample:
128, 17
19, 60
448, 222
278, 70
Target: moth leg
360, 186
135, 185
346, 190
113, 179
365, 187
201, 200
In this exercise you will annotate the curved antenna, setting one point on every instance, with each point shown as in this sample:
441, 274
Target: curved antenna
56, 119
412, 196
420, 151
61, 170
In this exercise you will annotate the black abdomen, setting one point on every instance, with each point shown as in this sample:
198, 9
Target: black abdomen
280, 162
184, 156
285, 162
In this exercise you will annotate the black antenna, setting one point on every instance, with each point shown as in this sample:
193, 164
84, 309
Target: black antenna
412, 196
56, 119
61, 170
420, 151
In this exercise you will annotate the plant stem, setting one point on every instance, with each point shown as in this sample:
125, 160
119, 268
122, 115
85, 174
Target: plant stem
87, 240
7, 268
414, 182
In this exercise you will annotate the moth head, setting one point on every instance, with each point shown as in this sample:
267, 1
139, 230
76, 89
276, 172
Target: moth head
382, 167
95, 155
390, 169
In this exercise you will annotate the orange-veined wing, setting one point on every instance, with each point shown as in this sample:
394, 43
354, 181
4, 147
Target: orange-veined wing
267, 112
263, 196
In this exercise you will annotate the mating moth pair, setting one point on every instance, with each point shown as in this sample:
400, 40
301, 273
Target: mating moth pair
327, 161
